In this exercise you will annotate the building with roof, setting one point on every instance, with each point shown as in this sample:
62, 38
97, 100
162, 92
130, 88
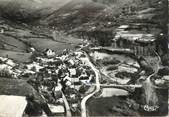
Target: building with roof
49, 53
73, 72
59, 109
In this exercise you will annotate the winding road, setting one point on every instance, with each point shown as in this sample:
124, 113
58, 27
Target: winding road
98, 85
84, 100
68, 111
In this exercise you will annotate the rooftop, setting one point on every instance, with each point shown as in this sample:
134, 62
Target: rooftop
123, 27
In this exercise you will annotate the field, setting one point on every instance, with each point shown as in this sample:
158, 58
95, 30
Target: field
117, 107
17, 56
15, 87
17, 39
109, 92
131, 105
42, 44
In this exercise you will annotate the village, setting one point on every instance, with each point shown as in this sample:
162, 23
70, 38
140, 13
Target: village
64, 81
67, 80
83, 58
52, 76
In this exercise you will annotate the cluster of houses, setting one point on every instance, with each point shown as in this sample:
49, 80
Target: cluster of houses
51, 75
7, 68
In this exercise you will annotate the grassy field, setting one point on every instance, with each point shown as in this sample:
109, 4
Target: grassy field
42, 44
12, 43
132, 105
18, 87
17, 39
15, 87
17, 56
110, 106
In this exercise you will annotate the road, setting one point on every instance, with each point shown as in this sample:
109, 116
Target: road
98, 85
83, 103
68, 111
116, 85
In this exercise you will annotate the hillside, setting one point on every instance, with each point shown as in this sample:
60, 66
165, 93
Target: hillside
80, 54
28, 10
107, 13
68, 15
79, 12
25, 23
16, 40
95, 17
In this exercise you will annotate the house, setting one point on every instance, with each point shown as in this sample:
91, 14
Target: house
58, 88
166, 78
2, 31
75, 81
59, 109
4, 66
75, 105
49, 53
83, 76
34, 67
72, 72
78, 54
71, 62
3, 59
32, 50
73, 96
10, 62
159, 82
122, 28
67, 81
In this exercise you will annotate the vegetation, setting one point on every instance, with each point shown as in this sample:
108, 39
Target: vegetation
124, 75
111, 68
118, 107
163, 71
110, 62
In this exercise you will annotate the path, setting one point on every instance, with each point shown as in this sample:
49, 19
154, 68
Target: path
83, 103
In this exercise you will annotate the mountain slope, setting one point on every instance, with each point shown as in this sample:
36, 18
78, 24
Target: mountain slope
74, 13
106, 15
28, 10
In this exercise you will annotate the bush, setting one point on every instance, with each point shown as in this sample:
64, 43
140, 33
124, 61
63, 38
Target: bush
163, 71
111, 62
5, 73
111, 68
125, 74
83, 89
